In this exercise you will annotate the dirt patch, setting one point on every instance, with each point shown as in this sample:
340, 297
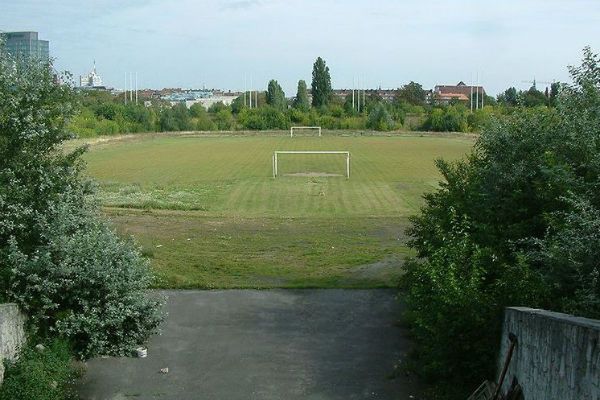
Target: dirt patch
377, 269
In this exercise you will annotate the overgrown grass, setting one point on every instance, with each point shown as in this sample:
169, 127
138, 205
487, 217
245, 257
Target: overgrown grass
209, 214
48, 374
188, 250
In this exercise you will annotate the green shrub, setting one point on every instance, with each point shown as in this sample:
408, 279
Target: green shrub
41, 375
223, 119
59, 261
514, 224
448, 119
328, 122
379, 119
106, 127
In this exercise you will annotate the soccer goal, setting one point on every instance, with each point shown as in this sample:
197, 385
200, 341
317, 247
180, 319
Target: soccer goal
303, 128
313, 163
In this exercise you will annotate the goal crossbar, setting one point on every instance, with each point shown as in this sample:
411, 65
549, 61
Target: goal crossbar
276, 154
304, 127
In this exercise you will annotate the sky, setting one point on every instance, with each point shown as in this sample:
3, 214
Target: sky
381, 43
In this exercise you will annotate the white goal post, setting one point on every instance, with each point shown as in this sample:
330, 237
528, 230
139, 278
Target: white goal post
276, 161
304, 127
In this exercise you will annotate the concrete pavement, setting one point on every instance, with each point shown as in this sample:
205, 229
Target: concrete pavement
267, 344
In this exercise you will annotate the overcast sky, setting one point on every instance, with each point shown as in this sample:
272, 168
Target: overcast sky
192, 43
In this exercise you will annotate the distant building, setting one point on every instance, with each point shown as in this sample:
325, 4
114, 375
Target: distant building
461, 92
384, 94
205, 97
91, 80
26, 45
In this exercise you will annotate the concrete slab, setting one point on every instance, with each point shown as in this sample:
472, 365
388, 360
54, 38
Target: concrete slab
269, 344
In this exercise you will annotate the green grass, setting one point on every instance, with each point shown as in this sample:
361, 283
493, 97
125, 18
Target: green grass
209, 214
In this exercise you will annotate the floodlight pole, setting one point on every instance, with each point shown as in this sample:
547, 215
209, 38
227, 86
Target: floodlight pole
477, 93
131, 87
471, 98
136, 88
353, 86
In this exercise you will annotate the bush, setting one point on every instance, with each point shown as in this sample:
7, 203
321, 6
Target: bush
58, 260
41, 375
224, 120
328, 122
106, 127
250, 118
447, 119
84, 283
379, 119
515, 223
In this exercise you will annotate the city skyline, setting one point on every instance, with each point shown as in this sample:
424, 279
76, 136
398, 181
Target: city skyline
225, 44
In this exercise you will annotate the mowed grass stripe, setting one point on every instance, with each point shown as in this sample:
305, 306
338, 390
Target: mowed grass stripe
232, 175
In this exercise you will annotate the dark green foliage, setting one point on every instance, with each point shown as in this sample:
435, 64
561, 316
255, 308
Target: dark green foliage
509, 97
321, 84
533, 98
301, 101
58, 260
263, 118
41, 375
515, 223
447, 119
176, 118
554, 91
411, 93
217, 107
380, 119
238, 104
276, 96
224, 120
201, 120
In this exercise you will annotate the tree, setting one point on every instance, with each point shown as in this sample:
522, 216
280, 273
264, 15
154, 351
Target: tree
554, 90
533, 98
321, 84
380, 119
176, 118
276, 96
301, 101
59, 260
411, 93
514, 223
509, 97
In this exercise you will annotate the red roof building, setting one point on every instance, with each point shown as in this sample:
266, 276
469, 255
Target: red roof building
444, 94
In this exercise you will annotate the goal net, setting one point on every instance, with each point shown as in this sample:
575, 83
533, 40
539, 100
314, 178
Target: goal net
311, 163
305, 130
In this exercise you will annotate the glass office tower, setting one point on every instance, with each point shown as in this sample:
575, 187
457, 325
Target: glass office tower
25, 44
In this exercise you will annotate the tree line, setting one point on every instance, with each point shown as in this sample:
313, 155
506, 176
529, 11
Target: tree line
102, 113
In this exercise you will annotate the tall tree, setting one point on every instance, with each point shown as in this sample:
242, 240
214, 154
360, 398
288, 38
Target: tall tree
321, 83
301, 101
554, 89
275, 95
412, 93
509, 97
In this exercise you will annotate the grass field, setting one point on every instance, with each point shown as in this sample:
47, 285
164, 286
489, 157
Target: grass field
209, 214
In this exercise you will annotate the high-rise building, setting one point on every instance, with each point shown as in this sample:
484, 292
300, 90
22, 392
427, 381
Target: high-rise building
25, 44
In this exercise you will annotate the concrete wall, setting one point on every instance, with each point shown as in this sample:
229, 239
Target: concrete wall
12, 333
557, 355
